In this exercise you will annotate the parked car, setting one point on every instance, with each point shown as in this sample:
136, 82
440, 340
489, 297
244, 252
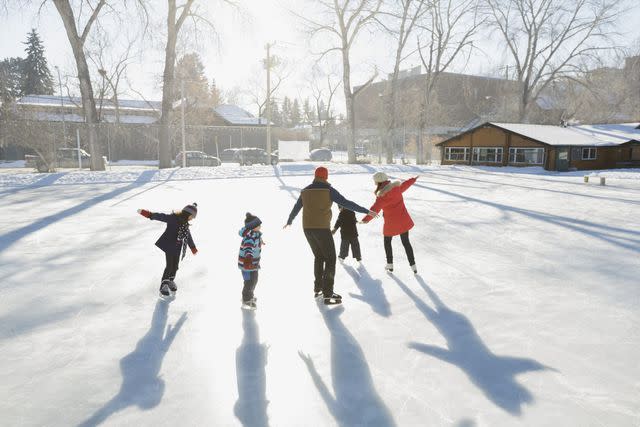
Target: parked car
228, 155
252, 156
197, 158
65, 158
320, 155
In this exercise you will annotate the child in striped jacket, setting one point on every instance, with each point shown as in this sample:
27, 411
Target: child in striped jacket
249, 257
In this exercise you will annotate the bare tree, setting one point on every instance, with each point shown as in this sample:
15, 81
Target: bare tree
447, 34
345, 19
323, 89
547, 38
257, 92
399, 20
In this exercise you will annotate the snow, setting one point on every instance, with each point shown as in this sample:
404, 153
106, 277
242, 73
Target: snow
526, 310
584, 135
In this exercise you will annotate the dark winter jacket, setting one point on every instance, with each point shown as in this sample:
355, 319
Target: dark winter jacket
346, 222
249, 255
315, 201
169, 242
396, 217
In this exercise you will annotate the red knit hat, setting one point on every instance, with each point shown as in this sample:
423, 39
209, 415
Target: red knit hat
322, 172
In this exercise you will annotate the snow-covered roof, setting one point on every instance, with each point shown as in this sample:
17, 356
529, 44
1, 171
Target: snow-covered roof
76, 102
77, 118
237, 116
582, 135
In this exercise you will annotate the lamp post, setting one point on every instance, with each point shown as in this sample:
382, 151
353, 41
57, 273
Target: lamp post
64, 126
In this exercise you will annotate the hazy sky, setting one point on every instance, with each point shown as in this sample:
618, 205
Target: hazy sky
233, 56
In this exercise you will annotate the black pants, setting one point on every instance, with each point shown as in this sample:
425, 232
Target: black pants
172, 266
404, 237
324, 251
250, 281
355, 247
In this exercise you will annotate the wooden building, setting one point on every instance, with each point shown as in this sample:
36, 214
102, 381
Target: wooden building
552, 147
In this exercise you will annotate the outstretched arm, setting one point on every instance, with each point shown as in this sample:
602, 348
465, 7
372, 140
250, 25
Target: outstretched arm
295, 210
154, 215
375, 208
348, 204
408, 183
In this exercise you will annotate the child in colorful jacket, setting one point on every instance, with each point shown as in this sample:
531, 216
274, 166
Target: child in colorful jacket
249, 257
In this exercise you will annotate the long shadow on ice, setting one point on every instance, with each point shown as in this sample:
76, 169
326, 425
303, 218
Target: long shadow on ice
615, 235
141, 383
251, 360
294, 192
355, 400
8, 239
493, 375
371, 290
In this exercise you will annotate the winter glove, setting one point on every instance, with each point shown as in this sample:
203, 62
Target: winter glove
145, 213
194, 250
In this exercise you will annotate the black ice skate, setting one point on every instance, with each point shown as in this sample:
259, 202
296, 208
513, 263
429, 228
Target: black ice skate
172, 286
164, 288
333, 299
250, 304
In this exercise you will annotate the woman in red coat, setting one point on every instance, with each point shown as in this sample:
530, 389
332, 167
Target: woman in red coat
396, 218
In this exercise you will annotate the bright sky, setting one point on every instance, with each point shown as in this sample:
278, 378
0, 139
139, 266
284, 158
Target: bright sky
233, 57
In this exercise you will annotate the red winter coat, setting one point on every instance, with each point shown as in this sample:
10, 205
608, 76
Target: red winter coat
389, 200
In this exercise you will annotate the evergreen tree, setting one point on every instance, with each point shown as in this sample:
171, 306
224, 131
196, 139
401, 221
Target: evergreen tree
276, 117
286, 112
37, 79
10, 78
215, 95
190, 69
295, 113
308, 113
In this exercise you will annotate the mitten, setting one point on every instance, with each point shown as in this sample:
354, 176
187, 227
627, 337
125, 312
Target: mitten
145, 213
194, 250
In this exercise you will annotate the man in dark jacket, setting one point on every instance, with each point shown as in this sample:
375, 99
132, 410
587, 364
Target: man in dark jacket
315, 201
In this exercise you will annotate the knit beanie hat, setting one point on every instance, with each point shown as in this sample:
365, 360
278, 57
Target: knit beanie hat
191, 209
322, 173
249, 217
380, 177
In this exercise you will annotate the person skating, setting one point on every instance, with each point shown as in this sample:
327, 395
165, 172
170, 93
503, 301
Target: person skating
397, 220
315, 201
173, 241
249, 257
346, 222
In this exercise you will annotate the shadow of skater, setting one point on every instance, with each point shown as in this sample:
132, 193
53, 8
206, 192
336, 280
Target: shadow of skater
371, 290
251, 359
493, 375
141, 385
294, 192
356, 401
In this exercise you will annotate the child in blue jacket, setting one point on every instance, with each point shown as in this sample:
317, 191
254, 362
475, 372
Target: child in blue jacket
249, 258
173, 241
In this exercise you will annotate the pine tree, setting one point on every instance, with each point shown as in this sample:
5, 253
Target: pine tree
295, 113
190, 69
286, 112
215, 95
37, 79
276, 117
308, 113
10, 78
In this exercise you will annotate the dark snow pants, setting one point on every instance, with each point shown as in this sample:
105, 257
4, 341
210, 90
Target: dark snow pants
404, 237
324, 251
250, 281
355, 247
172, 266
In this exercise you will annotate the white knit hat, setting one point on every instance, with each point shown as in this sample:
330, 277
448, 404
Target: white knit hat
379, 177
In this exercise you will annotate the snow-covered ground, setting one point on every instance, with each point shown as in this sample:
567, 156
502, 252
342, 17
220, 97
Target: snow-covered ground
526, 310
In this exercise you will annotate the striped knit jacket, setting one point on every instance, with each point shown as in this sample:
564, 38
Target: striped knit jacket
249, 256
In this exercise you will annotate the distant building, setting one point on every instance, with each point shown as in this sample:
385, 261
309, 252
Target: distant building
552, 147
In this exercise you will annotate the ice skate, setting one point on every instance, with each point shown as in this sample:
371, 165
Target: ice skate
250, 304
414, 268
164, 288
333, 299
172, 286
389, 267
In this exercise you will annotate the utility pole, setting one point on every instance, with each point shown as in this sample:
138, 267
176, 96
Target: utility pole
184, 153
268, 65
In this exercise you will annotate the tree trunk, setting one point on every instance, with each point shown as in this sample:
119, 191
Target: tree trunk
164, 152
349, 100
84, 78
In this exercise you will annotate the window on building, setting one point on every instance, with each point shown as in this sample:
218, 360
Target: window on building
487, 155
456, 154
529, 156
588, 154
